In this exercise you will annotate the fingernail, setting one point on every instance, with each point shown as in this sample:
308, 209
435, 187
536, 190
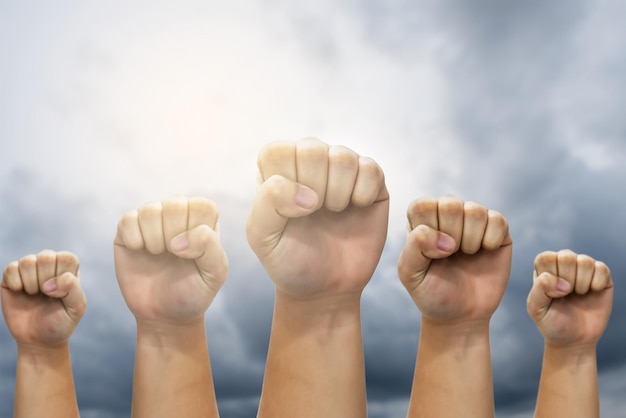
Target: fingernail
50, 286
180, 243
306, 198
562, 285
445, 243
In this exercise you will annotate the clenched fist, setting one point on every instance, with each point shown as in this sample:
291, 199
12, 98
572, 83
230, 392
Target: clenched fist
169, 261
457, 259
319, 221
571, 298
42, 300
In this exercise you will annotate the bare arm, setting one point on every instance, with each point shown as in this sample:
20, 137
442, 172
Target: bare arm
453, 362
569, 384
315, 361
173, 372
44, 384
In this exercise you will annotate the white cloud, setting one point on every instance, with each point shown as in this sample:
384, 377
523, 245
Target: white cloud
144, 102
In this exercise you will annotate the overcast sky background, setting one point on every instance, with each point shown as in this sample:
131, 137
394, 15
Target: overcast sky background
519, 105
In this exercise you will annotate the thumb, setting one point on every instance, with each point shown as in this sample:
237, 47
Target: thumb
277, 200
546, 288
202, 244
67, 287
423, 245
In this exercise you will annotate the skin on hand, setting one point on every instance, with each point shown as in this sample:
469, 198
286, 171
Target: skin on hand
42, 300
571, 298
457, 259
319, 222
169, 261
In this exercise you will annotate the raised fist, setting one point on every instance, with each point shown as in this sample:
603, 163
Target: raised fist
42, 300
457, 259
319, 221
169, 261
571, 298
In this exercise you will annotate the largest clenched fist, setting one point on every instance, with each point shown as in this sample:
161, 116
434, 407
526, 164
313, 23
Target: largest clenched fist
42, 300
457, 259
319, 220
169, 261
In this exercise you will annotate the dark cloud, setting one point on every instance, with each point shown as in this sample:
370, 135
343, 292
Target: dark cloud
390, 331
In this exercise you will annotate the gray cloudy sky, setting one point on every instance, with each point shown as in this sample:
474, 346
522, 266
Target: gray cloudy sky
518, 105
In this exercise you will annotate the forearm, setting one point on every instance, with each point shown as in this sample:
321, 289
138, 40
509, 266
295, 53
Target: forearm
453, 375
173, 372
569, 383
315, 366
44, 385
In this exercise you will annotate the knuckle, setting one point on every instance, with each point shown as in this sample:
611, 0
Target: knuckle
585, 263
10, 268
275, 152
422, 206
311, 147
211, 207
204, 208
566, 255
544, 258
342, 156
174, 204
497, 219
150, 209
313, 140
475, 209
27, 261
450, 199
603, 268
370, 166
128, 219
46, 253
66, 257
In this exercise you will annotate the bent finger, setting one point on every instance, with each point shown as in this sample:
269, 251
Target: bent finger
278, 199
11, 277
546, 287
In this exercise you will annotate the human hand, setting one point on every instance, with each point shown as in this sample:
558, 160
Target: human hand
457, 259
319, 221
42, 300
571, 298
169, 261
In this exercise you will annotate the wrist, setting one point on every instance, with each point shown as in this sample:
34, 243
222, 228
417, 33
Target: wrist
167, 335
320, 313
456, 335
41, 356
571, 355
